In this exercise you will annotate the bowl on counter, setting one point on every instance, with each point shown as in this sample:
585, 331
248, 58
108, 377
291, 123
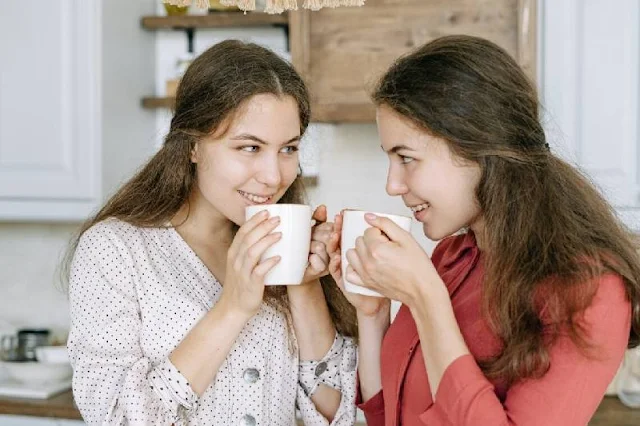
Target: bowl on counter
52, 354
35, 372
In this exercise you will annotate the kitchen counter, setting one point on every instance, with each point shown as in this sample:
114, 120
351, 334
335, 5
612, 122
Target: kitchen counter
60, 406
610, 413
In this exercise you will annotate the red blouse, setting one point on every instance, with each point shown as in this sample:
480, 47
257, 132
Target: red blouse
567, 395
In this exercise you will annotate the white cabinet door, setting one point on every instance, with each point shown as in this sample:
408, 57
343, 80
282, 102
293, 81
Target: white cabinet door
589, 73
49, 109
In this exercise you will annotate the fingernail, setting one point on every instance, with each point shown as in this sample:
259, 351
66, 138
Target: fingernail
275, 219
263, 213
370, 216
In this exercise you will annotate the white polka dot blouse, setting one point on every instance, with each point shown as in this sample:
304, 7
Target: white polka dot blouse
134, 294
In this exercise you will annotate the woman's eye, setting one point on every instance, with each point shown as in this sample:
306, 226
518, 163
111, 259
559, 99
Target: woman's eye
289, 149
250, 148
406, 160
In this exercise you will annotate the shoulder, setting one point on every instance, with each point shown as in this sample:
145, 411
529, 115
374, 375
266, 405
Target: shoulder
599, 305
605, 323
111, 232
114, 240
104, 254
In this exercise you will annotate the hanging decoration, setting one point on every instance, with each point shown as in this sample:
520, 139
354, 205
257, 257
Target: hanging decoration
271, 6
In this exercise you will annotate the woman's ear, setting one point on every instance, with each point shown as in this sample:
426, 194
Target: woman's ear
194, 153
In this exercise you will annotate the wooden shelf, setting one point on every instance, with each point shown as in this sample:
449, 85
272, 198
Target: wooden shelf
214, 20
344, 113
211, 20
310, 181
155, 103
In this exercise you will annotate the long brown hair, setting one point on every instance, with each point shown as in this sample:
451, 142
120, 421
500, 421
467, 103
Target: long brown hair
213, 88
548, 230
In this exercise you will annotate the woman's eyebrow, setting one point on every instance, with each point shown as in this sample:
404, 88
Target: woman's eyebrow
247, 136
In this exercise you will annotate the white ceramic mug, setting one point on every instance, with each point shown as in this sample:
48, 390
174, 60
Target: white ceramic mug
293, 247
353, 226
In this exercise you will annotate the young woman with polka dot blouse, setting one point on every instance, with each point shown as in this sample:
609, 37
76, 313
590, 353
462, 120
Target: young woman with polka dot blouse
170, 320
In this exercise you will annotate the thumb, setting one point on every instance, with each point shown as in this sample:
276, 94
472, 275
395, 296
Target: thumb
394, 232
320, 214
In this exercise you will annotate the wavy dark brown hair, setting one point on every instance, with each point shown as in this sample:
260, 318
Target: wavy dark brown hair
213, 89
548, 230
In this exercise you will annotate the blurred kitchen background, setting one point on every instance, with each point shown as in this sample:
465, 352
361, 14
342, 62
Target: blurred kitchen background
85, 98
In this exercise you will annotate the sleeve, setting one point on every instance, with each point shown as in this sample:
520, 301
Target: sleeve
373, 408
338, 370
113, 382
567, 395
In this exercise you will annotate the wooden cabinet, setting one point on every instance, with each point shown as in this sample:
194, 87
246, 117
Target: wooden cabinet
49, 110
342, 52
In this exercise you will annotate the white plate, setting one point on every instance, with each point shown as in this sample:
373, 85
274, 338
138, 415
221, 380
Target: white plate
14, 389
33, 372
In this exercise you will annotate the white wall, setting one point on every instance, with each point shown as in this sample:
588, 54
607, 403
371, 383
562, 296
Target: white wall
128, 75
29, 255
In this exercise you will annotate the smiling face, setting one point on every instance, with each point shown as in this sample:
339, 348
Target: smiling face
438, 187
253, 161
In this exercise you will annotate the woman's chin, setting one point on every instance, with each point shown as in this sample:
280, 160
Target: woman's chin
434, 233
238, 220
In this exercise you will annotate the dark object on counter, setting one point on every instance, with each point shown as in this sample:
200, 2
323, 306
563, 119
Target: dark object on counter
29, 339
21, 346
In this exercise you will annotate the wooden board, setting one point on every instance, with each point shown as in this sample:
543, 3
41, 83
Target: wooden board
60, 406
342, 52
213, 20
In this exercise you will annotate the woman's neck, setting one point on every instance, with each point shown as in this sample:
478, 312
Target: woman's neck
203, 226
478, 230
